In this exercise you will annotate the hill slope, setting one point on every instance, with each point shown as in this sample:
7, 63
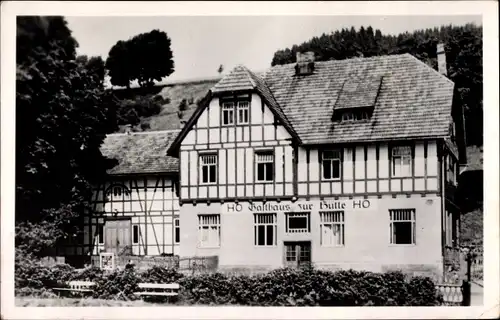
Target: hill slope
168, 118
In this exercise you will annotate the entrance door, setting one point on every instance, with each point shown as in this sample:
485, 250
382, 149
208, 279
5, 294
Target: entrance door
117, 239
297, 254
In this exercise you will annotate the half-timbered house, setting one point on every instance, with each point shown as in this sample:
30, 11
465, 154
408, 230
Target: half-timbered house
135, 208
343, 164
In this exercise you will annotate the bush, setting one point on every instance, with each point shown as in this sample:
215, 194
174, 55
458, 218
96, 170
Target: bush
310, 287
89, 274
280, 287
422, 292
157, 274
120, 284
31, 274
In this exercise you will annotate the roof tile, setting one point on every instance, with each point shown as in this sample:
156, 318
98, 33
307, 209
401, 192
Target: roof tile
141, 152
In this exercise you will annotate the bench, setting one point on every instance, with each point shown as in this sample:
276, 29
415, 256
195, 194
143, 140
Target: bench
81, 287
158, 289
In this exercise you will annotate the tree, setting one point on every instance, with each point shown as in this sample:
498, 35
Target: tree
463, 46
94, 65
119, 64
220, 69
62, 116
146, 57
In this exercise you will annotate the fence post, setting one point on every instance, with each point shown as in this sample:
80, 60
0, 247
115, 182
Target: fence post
466, 293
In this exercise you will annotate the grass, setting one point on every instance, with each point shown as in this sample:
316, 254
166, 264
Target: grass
78, 302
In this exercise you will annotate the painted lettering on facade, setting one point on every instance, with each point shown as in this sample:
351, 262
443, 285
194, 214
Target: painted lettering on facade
303, 206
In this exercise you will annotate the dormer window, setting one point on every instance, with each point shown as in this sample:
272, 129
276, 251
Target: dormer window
348, 116
235, 111
354, 116
357, 99
243, 111
227, 113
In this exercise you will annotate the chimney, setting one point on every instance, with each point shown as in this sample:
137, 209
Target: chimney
441, 57
305, 63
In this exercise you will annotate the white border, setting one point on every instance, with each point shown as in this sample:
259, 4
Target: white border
488, 9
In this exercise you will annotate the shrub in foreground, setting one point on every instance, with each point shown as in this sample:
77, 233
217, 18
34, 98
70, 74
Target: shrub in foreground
310, 287
281, 287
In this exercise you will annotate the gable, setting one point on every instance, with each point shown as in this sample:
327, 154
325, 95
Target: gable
208, 127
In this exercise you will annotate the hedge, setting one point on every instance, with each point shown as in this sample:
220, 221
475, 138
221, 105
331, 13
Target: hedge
280, 287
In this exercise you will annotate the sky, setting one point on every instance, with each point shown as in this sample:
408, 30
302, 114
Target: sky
201, 43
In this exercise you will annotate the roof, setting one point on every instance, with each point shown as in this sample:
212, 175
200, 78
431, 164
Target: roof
414, 100
358, 92
141, 152
410, 99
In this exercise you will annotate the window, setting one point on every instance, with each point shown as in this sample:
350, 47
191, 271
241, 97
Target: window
117, 192
208, 166
265, 166
265, 228
243, 107
100, 234
402, 226
401, 161
227, 113
332, 228
363, 116
348, 116
209, 230
297, 222
135, 236
451, 168
354, 116
331, 164
452, 131
177, 231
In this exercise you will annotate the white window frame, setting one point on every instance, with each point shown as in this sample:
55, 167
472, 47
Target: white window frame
208, 160
265, 219
402, 216
289, 215
263, 158
227, 107
397, 161
209, 222
244, 108
337, 156
348, 116
332, 222
177, 228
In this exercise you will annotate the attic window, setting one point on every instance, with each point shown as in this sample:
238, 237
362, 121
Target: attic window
354, 116
235, 111
227, 113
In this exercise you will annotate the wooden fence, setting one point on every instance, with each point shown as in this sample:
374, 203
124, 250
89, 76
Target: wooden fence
189, 264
